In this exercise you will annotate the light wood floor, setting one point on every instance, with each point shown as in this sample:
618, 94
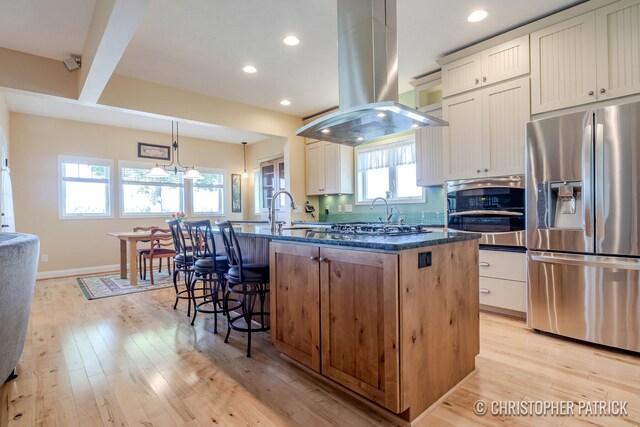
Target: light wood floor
132, 360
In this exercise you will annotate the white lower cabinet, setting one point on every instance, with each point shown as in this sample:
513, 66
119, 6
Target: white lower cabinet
503, 281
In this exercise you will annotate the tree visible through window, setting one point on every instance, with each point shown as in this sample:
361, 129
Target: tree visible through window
85, 187
208, 194
144, 195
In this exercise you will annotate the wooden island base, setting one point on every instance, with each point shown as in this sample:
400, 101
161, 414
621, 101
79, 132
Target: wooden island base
400, 329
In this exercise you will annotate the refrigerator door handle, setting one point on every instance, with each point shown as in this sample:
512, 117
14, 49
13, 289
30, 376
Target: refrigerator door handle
599, 186
588, 261
587, 167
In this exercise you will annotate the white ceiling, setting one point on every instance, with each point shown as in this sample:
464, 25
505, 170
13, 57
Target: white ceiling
202, 45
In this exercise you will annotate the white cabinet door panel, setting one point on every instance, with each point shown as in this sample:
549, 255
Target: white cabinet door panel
505, 113
429, 152
463, 136
618, 49
314, 169
563, 64
506, 61
461, 75
331, 156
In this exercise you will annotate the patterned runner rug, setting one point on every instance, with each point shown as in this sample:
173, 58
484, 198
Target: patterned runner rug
110, 285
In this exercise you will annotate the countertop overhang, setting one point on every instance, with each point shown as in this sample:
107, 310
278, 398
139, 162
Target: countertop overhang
380, 242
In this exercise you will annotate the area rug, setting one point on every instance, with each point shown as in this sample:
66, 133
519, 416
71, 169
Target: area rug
111, 285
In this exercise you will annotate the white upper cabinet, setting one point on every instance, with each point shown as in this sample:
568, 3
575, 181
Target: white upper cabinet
429, 168
486, 132
329, 168
563, 64
502, 62
588, 58
618, 49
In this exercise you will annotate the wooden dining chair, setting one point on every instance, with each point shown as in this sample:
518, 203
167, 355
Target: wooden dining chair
143, 250
161, 247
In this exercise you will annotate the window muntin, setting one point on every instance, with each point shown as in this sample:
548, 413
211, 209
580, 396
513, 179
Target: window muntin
85, 187
387, 170
145, 196
208, 193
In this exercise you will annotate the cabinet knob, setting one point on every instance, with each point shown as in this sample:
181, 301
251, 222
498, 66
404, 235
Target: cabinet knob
313, 258
485, 291
603, 90
484, 264
477, 81
590, 93
484, 79
486, 170
477, 170
324, 259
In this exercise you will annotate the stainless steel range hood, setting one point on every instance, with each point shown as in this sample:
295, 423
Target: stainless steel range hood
368, 74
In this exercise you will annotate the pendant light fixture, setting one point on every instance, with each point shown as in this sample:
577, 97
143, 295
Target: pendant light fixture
161, 171
244, 153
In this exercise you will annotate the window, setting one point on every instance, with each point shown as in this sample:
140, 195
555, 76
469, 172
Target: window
388, 170
85, 187
208, 193
144, 196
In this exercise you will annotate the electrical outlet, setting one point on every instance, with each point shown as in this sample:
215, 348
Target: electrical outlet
348, 208
45, 258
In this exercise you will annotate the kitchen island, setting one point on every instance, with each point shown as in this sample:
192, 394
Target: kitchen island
394, 319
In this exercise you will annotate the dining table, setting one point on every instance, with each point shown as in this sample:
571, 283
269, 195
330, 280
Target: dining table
130, 239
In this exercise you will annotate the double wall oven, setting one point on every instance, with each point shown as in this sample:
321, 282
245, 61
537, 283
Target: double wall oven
494, 207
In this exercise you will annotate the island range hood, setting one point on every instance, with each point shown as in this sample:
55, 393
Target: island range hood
368, 76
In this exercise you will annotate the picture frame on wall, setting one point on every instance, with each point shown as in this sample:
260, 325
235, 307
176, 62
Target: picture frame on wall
154, 151
236, 193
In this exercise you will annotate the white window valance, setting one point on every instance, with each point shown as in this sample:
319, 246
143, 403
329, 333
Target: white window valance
382, 156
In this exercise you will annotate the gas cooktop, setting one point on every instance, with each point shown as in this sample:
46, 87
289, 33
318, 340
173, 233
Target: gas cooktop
376, 229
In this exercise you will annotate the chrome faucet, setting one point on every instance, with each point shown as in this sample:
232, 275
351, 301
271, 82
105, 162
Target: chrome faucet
401, 217
388, 211
272, 208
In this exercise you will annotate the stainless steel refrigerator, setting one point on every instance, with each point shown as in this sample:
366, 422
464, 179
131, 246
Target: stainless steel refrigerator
583, 225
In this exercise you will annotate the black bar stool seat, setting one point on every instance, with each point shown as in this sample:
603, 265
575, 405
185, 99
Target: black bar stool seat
208, 267
247, 282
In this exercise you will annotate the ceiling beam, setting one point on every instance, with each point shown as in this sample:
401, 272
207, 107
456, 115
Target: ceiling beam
112, 26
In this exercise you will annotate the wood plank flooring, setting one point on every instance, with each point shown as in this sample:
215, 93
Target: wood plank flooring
133, 360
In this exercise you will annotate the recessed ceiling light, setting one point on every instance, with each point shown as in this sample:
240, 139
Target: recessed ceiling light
291, 41
415, 125
381, 115
325, 131
249, 69
285, 102
360, 138
477, 15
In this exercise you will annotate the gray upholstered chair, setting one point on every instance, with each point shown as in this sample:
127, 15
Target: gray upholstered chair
18, 264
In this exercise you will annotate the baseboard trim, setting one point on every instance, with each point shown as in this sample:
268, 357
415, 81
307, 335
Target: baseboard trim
77, 271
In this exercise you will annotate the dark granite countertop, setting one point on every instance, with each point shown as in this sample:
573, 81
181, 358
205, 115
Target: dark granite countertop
388, 243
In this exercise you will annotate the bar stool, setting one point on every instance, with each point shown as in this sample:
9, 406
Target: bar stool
182, 262
208, 267
248, 281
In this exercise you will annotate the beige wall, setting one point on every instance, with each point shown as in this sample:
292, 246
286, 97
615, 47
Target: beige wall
36, 143
4, 117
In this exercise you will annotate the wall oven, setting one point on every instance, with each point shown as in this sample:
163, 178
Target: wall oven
494, 207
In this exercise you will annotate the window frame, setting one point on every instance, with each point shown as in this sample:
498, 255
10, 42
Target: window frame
63, 159
189, 186
144, 165
392, 172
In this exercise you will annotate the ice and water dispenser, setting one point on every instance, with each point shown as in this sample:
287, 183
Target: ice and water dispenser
560, 205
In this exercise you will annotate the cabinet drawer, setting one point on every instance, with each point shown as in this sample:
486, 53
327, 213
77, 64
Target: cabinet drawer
502, 293
503, 265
